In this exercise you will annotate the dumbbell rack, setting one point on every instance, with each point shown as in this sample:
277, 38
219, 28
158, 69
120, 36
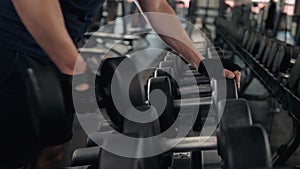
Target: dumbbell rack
191, 144
187, 144
283, 94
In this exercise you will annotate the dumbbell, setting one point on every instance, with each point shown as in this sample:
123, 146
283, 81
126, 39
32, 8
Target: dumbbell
236, 113
246, 147
46, 103
185, 78
100, 158
180, 70
201, 89
86, 156
171, 109
110, 68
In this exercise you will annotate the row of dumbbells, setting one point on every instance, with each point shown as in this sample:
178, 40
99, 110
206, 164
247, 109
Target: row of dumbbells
188, 86
235, 132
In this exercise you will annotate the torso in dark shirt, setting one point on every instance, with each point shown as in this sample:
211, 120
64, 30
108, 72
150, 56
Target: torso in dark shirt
13, 34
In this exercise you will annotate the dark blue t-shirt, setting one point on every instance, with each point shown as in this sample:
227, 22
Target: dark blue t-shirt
14, 35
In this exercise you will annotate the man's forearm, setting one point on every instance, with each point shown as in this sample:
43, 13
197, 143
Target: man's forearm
165, 22
44, 20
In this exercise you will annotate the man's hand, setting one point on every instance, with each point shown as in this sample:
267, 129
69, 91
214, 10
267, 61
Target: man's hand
233, 70
213, 67
236, 74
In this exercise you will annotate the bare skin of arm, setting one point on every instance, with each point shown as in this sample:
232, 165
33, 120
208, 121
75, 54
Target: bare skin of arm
164, 21
45, 22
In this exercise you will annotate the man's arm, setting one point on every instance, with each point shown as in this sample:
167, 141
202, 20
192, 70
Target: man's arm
44, 20
165, 22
